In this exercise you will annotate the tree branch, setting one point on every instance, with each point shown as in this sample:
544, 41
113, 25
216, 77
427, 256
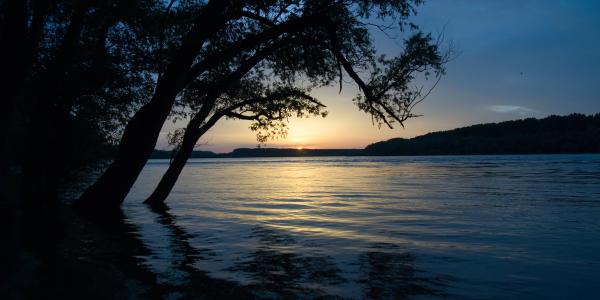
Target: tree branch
361, 84
257, 17
250, 42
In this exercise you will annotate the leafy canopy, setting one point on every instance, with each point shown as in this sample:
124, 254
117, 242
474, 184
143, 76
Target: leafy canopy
266, 47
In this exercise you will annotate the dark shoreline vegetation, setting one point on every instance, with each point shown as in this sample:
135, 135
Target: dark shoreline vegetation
575, 133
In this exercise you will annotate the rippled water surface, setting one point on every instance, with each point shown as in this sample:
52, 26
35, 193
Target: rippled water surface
464, 227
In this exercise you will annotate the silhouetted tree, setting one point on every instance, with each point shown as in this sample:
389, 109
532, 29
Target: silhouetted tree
313, 40
74, 71
78, 70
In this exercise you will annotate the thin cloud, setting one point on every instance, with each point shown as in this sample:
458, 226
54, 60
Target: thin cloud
513, 109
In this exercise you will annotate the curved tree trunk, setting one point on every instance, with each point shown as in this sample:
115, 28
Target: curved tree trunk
136, 146
167, 182
192, 134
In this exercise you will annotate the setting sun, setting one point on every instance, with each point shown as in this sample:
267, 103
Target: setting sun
299, 148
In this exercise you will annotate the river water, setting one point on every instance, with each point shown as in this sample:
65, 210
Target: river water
454, 227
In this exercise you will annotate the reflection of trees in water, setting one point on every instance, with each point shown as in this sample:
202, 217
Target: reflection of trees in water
184, 255
184, 280
278, 272
104, 259
389, 273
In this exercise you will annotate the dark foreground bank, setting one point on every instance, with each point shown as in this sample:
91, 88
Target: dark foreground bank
99, 258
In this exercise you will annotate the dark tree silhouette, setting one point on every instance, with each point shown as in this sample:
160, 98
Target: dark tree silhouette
313, 40
78, 70
73, 73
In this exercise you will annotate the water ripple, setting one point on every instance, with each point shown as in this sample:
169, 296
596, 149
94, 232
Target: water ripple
464, 227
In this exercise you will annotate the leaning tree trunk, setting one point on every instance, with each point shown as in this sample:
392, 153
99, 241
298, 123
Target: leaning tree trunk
167, 182
136, 146
192, 133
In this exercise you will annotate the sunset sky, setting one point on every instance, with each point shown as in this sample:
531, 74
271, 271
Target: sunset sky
516, 58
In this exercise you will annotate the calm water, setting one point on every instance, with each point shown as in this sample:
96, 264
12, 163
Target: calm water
464, 227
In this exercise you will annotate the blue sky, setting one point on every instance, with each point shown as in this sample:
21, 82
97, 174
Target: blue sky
515, 59
541, 57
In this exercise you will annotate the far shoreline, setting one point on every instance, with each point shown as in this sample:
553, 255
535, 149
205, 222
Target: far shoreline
165, 154
570, 134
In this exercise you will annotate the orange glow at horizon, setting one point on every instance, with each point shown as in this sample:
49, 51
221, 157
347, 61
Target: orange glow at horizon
344, 128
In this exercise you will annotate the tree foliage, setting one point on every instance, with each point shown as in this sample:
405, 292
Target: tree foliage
86, 68
308, 44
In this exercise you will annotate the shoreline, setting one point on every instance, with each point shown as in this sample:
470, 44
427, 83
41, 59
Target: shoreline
226, 155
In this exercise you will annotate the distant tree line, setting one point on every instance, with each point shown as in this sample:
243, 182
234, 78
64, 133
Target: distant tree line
263, 152
575, 133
